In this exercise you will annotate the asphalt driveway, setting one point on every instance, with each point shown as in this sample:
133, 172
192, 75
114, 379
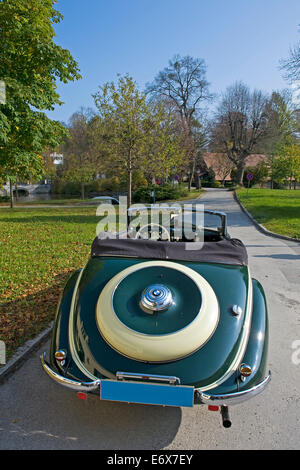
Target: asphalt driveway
38, 414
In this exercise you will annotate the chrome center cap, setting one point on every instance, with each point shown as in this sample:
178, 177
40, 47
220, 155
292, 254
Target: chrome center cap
156, 298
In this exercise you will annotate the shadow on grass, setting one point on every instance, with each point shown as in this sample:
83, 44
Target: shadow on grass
62, 219
23, 318
77, 219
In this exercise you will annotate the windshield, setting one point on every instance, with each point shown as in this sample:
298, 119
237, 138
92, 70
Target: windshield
179, 222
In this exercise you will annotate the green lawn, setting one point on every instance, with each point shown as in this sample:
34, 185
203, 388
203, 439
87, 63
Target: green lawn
39, 248
277, 210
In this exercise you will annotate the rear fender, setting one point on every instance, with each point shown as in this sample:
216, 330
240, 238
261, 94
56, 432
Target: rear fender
60, 335
257, 347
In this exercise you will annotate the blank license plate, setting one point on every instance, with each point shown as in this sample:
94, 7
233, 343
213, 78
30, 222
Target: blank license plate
147, 393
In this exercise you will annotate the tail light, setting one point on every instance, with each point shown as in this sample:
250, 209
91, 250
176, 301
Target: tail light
60, 356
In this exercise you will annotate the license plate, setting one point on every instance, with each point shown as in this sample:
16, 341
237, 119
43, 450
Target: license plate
147, 393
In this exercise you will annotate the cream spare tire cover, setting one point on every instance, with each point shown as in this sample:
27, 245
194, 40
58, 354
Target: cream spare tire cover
157, 311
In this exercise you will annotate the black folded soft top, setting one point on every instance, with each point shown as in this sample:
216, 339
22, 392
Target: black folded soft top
225, 251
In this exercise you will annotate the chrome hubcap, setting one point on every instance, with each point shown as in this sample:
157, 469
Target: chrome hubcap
156, 298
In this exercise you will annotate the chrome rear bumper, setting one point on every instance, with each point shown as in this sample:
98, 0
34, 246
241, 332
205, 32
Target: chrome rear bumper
74, 385
202, 398
233, 398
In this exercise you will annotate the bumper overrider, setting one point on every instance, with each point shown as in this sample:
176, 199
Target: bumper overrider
200, 397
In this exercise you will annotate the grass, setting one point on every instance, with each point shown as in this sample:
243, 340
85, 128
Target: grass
39, 249
276, 209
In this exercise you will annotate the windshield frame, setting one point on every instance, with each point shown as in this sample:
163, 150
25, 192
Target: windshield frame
222, 230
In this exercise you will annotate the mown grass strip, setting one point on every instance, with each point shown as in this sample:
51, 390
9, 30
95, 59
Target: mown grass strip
277, 210
39, 249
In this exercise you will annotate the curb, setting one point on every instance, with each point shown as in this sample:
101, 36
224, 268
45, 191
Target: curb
23, 353
259, 226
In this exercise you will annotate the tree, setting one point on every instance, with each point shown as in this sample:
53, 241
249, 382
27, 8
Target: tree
183, 84
80, 161
124, 114
223, 166
162, 144
281, 122
239, 125
30, 64
287, 166
291, 65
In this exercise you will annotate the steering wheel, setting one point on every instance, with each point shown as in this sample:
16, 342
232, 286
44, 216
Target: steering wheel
153, 232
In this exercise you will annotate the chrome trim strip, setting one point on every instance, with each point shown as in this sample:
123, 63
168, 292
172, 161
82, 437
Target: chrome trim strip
232, 398
73, 384
162, 378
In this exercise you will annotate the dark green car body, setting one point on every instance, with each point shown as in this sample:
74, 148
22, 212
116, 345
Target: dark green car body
231, 285
213, 370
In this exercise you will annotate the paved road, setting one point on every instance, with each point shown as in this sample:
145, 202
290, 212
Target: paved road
38, 414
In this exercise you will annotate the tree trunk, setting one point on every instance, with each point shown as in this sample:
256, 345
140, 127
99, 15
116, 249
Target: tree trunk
82, 190
11, 194
129, 175
129, 188
192, 173
240, 172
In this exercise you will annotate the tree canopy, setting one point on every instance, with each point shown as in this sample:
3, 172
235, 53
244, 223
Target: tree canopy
135, 135
30, 64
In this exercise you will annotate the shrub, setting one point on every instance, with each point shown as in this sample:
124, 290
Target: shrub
260, 174
162, 193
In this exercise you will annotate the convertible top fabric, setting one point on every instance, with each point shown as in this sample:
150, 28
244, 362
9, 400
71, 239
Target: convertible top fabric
226, 251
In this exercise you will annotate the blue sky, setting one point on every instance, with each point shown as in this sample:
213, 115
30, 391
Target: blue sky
238, 39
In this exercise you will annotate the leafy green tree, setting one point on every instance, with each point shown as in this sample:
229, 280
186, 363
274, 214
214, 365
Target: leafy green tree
80, 161
30, 64
162, 148
281, 122
287, 166
124, 115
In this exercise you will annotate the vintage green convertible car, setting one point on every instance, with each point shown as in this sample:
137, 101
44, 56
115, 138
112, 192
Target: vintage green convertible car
176, 320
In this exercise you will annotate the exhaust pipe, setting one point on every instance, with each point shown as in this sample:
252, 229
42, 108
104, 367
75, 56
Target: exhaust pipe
225, 416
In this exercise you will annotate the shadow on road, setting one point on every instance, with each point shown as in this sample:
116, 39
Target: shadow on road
282, 256
44, 415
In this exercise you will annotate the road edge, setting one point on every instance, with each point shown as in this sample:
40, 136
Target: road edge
23, 352
259, 226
